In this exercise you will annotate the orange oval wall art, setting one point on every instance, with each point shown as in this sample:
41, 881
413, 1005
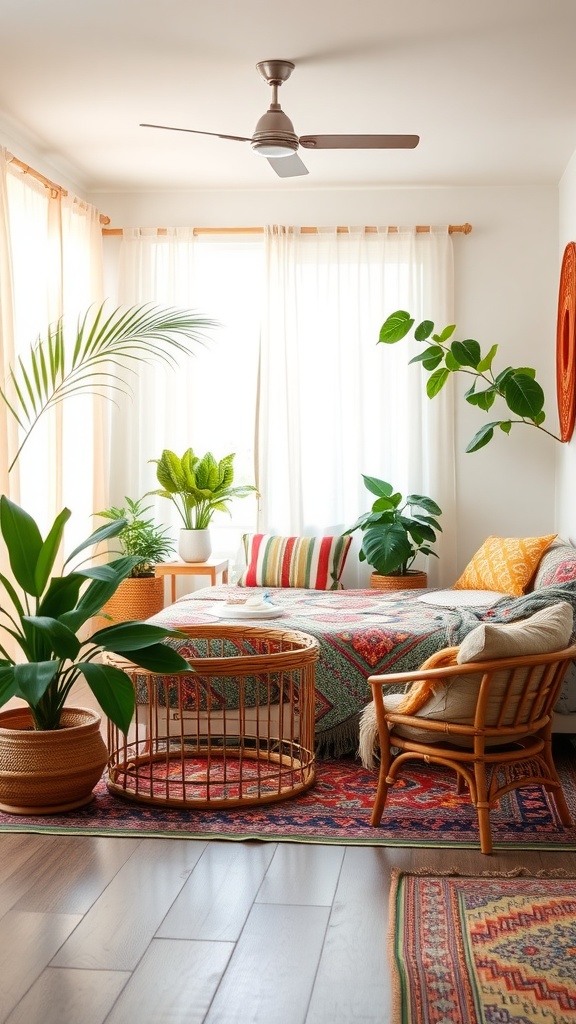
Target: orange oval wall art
566, 344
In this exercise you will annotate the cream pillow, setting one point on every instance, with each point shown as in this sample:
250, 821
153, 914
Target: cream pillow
547, 630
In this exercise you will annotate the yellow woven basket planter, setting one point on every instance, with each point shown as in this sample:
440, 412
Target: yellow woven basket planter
413, 581
136, 599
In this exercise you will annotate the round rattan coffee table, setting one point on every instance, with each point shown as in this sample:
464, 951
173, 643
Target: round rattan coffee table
237, 730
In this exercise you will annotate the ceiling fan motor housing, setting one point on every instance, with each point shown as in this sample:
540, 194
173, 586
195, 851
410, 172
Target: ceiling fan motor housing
275, 131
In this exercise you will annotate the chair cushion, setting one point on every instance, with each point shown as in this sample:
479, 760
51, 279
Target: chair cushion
313, 562
547, 630
505, 564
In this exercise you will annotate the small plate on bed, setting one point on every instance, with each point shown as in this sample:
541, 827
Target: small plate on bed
462, 598
245, 611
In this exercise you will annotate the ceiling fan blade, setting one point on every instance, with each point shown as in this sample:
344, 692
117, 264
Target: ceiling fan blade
194, 131
359, 141
288, 166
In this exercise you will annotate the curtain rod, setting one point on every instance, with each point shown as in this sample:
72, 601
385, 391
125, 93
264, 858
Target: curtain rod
55, 190
464, 229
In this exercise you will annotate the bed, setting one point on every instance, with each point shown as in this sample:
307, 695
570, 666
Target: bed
365, 632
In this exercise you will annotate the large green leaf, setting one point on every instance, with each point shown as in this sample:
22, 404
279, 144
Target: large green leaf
386, 549
436, 382
23, 543
62, 641
113, 690
426, 503
482, 437
33, 679
102, 533
524, 396
158, 658
49, 550
8, 682
61, 596
424, 330
467, 353
378, 487
131, 636
395, 327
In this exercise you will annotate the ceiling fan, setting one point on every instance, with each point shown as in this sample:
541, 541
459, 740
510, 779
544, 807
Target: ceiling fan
274, 136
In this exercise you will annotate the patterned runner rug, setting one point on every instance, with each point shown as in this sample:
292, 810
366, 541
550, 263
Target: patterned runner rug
483, 949
423, 810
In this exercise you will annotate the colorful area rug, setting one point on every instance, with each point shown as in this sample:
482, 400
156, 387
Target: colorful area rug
483, 950
423, 810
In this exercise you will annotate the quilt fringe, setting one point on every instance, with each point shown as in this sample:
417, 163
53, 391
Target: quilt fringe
339, 741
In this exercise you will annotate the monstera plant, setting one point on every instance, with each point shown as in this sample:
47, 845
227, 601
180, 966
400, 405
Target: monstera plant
443, 356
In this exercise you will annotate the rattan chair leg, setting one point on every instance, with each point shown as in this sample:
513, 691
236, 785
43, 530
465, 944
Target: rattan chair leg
483, 808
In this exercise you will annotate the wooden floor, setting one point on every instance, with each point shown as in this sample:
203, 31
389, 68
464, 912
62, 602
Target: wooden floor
163, 931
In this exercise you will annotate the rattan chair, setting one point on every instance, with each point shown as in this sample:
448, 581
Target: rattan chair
506, 744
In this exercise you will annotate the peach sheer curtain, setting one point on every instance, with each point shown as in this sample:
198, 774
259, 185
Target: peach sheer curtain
51, 265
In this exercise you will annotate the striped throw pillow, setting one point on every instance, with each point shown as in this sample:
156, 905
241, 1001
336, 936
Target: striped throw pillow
315, 563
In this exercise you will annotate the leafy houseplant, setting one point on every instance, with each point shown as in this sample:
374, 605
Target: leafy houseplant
518, 386
139, 536
46, 613
396, 530
141, 594
198, 487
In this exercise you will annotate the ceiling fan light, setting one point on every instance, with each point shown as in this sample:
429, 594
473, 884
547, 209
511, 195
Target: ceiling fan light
274, 150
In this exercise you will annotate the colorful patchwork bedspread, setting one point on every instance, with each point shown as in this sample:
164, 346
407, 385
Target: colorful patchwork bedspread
361, 633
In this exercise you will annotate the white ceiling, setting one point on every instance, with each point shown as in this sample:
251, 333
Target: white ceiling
489, 85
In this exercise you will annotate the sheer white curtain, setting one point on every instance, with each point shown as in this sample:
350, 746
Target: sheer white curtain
50, 266
333, 403
208, 400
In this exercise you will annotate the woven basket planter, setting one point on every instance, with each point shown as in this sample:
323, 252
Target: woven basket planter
414, 580
52, 770
136, 599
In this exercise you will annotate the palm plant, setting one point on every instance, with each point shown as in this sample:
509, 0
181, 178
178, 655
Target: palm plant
54, 370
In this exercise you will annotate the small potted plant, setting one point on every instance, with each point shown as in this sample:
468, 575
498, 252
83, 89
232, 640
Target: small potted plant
141, 594
198, 487
394, 532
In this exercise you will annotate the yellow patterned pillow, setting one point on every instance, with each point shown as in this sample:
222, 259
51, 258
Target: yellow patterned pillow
506, 564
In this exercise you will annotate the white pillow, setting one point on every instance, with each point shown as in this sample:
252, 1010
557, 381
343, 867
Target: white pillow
547, 630
462, 598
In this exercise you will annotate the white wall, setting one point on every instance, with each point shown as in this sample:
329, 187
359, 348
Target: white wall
506, 275
566, 457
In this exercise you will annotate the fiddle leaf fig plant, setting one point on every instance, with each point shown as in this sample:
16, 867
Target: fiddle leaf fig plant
396, 529
198, 486
516, 386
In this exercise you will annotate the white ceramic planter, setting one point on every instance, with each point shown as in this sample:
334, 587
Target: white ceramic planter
194, 545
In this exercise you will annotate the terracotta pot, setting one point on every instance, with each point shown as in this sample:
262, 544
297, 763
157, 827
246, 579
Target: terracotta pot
414, 580
52, 770
135, 599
